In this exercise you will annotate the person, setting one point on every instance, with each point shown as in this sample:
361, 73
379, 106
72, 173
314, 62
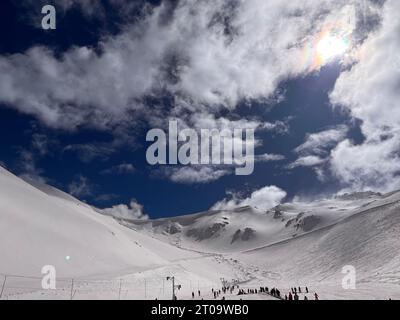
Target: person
316, 296
307, 289
296, 297
192, 295
290, 296
285, 297
305, 298
199, 293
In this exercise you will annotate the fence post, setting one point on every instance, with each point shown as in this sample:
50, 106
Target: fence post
4, 285
120, 286
72, 289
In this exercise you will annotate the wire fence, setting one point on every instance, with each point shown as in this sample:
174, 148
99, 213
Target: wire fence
149, 288
133, 287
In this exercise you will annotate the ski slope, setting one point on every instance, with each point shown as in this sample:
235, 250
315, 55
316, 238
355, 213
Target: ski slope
99, 257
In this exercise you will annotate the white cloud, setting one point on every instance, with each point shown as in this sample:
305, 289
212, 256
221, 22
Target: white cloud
321, 142
369, 166
307, 161
208, 173
123, 168
264, 198
370, 90
80, 187
196, 174
30, 171
207, 54
132, 211
268, 157
210, 55
315, 150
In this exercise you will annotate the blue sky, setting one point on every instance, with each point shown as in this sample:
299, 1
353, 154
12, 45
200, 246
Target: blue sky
76, 102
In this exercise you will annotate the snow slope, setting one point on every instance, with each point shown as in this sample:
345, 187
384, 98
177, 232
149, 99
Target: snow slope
40, 229
294, 244
40, 225
368, 240
245, 228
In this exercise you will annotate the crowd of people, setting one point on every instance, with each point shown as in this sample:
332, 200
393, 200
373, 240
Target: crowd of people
294, 293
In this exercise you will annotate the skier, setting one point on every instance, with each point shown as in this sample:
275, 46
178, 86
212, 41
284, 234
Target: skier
290, 296
192, 295
316, 296
296, 297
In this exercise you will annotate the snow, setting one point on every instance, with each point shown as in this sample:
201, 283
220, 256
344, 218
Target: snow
294, 244
245, 228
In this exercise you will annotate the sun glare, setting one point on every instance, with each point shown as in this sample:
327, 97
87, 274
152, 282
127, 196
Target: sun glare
331, 47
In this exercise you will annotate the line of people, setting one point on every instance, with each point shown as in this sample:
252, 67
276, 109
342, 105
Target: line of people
294, 294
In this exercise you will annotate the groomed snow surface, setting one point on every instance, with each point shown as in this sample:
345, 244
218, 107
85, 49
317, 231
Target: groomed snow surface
98, 257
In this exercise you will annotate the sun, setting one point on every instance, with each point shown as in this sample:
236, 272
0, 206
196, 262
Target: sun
330, 47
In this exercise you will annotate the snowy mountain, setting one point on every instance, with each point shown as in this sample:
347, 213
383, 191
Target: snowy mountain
246, 228
293, 244
46, 227
368, 240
